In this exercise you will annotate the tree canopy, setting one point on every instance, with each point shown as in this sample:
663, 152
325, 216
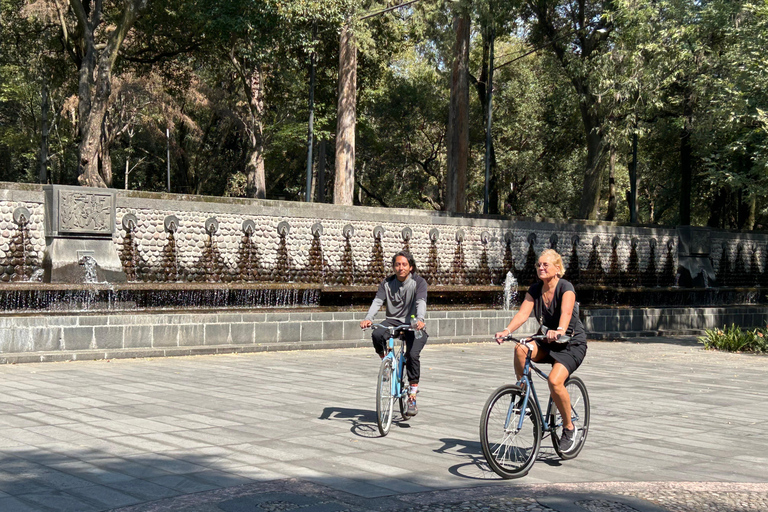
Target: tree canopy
114, 92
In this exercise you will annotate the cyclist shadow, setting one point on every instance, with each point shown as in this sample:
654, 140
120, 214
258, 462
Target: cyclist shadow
363, 422
473, 466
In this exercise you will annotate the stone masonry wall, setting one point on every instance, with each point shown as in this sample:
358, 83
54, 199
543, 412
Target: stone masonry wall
87, 337
22, 245
449, 249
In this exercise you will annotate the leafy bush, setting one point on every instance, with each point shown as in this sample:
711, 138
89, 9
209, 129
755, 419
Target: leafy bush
734, 339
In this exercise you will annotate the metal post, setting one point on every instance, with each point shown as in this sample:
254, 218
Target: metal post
488, 140
168, 155
310, 135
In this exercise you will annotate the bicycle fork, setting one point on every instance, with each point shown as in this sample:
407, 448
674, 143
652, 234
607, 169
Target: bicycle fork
523, 383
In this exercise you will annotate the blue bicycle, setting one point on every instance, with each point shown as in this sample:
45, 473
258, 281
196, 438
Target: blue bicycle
393, 382
512, 424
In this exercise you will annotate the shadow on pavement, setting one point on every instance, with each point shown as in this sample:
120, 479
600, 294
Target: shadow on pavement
363, 421
473, 465
680, 341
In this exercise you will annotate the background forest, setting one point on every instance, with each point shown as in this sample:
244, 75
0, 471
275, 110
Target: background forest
589, 100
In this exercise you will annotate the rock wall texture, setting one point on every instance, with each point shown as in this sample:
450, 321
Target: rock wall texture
175, 238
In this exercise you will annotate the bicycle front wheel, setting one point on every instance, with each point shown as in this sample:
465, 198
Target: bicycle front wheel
510, 451
403, 398
385, 402
579, 416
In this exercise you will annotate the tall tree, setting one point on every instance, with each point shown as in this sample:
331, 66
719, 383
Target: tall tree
344, 186
577, 31
95, 49
495, 17
457, 140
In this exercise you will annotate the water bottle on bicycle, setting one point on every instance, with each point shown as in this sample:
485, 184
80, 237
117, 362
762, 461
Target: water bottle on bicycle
415, 326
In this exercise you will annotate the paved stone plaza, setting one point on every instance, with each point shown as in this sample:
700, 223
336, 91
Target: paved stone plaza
673, 428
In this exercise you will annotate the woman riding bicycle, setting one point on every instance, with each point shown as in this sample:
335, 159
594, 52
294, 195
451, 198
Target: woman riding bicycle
553, 301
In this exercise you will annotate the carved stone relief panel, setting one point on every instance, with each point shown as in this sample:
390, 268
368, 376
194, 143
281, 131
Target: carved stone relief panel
85, 212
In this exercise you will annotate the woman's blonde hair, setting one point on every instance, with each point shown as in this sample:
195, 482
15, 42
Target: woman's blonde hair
557, 260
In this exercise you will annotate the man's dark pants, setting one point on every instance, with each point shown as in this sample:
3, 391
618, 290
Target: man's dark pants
413, 348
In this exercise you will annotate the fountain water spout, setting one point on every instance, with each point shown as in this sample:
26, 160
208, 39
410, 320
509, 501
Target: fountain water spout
510, 291
89, 266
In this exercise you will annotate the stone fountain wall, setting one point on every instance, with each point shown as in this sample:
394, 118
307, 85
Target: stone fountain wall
739, 259
174, 238
223, 242
22, 232
339, 246
68, 337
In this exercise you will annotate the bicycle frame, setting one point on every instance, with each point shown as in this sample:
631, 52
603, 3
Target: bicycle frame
511, 446
527, 383
398, 358
399, 365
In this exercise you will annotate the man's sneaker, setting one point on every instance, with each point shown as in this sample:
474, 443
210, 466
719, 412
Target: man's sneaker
567, 440
412, 409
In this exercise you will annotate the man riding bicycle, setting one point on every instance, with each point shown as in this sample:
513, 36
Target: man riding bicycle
405, 296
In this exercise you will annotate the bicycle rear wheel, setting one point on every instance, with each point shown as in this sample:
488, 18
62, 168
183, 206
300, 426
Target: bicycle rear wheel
510, 452
579, 416
385, 402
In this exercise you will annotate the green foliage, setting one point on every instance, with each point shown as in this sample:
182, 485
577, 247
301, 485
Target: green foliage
186, 66
735, 339
402, 136
538, 137
697, 68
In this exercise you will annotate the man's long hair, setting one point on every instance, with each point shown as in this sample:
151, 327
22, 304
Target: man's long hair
409, 257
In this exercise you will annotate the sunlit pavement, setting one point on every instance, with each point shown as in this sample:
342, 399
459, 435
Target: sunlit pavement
673, 427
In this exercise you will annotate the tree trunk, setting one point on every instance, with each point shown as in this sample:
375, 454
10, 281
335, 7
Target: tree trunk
256, 184
457, 143
493, 185
483, 89
610, 214
87, 22
105, 161
90, 145
590, 192
43, 176
256, 181
686, 161
746, 210
717, 208
93, 106
751, 204
321, 171
344, 185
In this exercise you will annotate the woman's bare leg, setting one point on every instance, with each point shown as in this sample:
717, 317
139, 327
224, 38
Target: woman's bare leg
560, 396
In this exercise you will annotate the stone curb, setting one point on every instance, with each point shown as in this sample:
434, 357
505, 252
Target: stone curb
513, 497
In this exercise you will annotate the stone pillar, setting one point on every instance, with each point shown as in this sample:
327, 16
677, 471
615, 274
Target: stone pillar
694, 265
79, 224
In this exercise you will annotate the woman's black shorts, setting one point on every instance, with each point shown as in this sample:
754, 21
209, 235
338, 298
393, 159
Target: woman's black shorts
569, 354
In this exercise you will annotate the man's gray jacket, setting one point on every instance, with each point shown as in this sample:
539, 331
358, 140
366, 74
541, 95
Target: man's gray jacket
403, 299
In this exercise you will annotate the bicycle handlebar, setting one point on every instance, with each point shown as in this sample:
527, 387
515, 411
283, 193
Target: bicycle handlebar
536, 337
393, 328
